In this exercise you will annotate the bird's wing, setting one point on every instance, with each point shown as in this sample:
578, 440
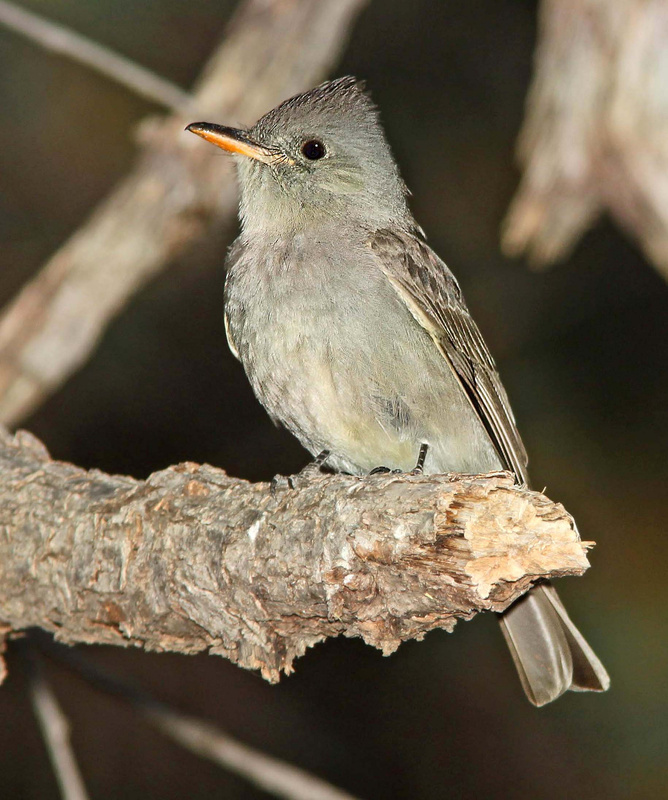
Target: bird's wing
233, 255
434, 298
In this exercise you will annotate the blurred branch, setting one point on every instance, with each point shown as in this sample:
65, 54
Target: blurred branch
594, 137
66, 42
192, 560
273, 49
55, 730
198, 736
269, 774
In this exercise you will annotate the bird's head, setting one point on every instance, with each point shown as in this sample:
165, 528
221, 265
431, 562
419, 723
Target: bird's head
319, 156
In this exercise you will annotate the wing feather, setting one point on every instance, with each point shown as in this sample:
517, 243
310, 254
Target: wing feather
434, 298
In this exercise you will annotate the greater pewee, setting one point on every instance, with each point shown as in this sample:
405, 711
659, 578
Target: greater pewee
355, 335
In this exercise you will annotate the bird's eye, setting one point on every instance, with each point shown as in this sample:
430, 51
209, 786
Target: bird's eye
313, 149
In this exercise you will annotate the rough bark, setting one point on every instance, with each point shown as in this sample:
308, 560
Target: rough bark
594, 137
192, 560
273, 49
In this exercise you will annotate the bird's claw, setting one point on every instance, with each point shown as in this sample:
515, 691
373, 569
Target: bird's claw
312, 469
384, 471
278, 484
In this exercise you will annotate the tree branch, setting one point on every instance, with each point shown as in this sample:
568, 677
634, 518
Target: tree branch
201, 737
192, 560
274, 776
272, 50
65, 42
593, 138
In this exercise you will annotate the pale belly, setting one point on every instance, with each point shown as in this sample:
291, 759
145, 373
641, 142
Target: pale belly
359, 377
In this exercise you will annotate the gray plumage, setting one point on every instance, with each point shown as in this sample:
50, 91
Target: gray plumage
355, 335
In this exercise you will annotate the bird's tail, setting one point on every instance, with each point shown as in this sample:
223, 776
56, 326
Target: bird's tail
550, 653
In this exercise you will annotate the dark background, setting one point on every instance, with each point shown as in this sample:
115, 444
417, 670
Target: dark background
583, 352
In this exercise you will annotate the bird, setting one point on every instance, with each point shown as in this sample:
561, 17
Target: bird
355, 335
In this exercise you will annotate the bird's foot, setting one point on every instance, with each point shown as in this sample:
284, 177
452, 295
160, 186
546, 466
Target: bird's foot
310, 470
279, 483
319, 461
418, 469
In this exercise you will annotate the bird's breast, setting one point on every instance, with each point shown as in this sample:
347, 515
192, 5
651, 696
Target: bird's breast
334, 355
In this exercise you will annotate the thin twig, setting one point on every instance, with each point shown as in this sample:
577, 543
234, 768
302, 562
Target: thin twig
198, 736
274, 776
55, 730
66, 42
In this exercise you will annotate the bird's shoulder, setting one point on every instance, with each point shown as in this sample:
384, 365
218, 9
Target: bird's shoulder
407, 251
427, 282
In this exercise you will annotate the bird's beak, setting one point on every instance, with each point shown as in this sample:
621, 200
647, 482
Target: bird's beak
232, 140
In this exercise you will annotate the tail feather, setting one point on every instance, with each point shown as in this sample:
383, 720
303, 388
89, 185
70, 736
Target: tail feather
550, 653
589, 675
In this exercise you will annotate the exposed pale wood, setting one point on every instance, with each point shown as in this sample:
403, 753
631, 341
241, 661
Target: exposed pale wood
273, 49
595, 134
192, 560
